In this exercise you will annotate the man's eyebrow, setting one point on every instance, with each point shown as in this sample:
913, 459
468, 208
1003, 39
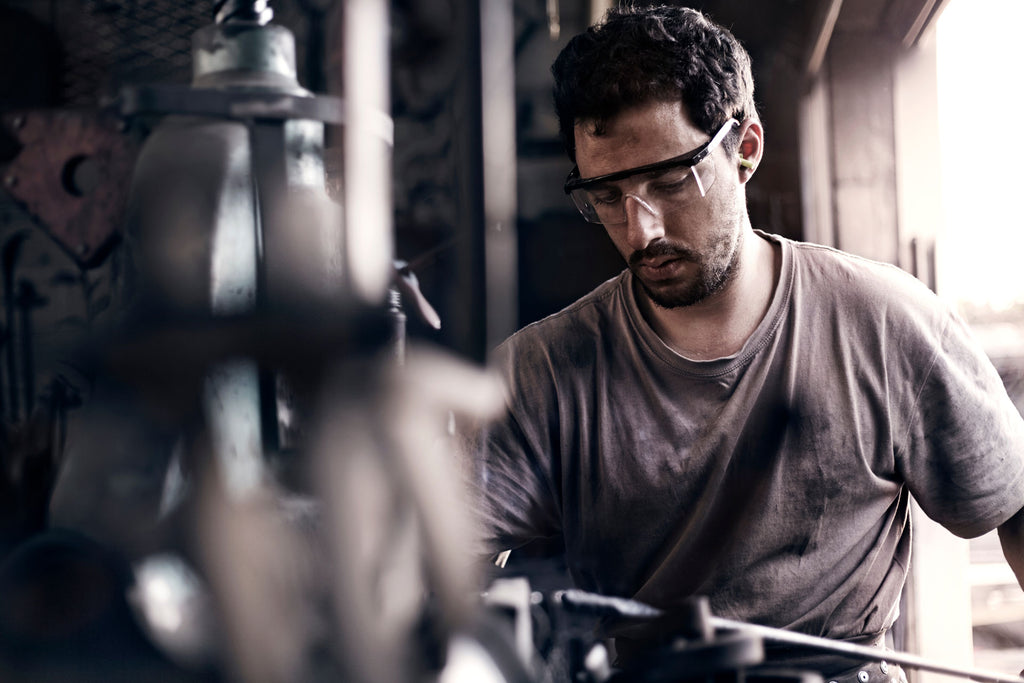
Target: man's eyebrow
654, 172
604, 185
661, 171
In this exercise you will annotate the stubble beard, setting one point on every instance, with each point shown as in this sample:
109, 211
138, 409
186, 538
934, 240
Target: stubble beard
713, 274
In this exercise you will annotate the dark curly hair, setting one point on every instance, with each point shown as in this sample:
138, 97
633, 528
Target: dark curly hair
639, 54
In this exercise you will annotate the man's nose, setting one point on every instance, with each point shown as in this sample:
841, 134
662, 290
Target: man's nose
643, 224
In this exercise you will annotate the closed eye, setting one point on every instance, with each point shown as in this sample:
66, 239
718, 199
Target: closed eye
669, 188
670, 182
604, 196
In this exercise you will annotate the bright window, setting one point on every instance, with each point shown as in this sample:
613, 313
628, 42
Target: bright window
981, 102
981, 257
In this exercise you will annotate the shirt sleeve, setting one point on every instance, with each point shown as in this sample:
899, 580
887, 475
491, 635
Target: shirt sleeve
963, 449
513, 456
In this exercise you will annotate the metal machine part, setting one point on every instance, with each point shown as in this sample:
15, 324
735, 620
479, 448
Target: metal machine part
514, 597
229, 214
240, 272
69, 177
174, 607
230, 224
702, 625
249, 131
227, 10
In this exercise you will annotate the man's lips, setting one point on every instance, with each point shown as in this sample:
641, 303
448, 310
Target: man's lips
658, 254
662, 264
662, 268
655, 263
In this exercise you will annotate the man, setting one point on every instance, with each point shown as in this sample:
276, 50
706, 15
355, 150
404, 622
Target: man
736, 415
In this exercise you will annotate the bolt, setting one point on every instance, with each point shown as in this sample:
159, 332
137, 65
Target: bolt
17, 122
884, 666
11, 180
863, 676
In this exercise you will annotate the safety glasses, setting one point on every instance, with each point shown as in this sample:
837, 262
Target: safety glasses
666, 185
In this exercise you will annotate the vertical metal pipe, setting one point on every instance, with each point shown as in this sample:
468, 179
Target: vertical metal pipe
368, 137
498, 77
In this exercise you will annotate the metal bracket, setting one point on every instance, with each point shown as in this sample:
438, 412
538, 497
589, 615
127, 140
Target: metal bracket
186, 100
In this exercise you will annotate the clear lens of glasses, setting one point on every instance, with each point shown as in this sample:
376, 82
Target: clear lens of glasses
660, 193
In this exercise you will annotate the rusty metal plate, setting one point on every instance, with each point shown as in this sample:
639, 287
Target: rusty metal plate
72, 176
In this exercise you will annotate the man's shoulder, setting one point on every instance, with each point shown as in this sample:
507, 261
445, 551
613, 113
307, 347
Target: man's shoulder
866, 297
585, 312
579, 323
850, 276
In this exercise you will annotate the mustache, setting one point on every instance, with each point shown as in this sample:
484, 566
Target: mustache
659, 249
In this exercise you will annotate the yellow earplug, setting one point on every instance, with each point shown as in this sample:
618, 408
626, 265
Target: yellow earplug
746, 163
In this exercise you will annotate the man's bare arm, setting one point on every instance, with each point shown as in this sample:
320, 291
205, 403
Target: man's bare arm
1011, 537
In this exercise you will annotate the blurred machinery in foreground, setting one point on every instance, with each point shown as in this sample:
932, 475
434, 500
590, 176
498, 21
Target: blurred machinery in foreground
261, 485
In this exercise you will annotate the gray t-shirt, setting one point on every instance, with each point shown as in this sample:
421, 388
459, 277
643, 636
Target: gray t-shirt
776, 481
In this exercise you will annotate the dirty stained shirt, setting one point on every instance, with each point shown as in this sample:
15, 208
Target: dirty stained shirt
776, 482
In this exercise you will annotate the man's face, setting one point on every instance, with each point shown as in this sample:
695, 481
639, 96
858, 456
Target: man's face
691, 253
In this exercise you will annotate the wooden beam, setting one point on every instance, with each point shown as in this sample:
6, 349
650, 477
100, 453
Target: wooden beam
822, 28
910, 19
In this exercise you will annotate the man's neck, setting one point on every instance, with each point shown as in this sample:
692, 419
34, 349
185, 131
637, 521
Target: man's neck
719, 326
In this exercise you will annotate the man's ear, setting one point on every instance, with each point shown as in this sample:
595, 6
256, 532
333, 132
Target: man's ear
750, 149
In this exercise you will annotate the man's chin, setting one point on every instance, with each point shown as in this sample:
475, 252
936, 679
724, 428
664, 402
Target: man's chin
674, 295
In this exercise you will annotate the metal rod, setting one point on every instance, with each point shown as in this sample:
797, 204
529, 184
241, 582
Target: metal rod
869, 653
498, 108
367, 139
632, 609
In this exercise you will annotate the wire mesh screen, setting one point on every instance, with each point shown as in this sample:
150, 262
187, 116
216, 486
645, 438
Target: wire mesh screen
111, 42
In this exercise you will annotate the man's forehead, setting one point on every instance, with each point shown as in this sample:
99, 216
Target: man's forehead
641, 122
637, 135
